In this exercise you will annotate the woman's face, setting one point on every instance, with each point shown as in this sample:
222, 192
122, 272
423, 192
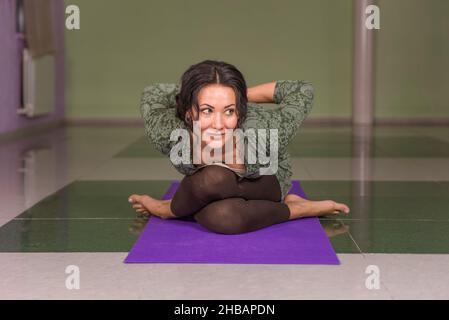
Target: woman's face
217, 112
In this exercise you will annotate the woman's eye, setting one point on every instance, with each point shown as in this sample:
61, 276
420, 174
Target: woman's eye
204, 111
231, 111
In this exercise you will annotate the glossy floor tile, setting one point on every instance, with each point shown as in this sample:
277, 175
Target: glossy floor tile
375, 188
134, 169
70, 235
106, 234
339, 236
400, 236
104, 203
385, 200
96, 216
378, 169
94, 200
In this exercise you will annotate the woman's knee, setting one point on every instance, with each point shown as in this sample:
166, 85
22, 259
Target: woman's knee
224, 217
213, 182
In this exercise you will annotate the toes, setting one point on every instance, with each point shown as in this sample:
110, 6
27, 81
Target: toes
342, 207
134, 198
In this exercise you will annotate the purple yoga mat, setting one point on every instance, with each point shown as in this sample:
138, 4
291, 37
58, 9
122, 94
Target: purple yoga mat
301, 241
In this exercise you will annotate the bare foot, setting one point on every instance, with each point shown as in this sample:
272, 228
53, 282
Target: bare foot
307, 208
293, 197
147, 205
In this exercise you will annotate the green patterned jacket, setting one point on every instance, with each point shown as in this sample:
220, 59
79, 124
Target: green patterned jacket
293, 97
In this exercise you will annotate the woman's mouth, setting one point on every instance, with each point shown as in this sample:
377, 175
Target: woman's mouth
215, 134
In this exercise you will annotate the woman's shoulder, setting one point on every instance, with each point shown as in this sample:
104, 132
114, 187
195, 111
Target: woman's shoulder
161, 89
255, 109
160, 95
257, 115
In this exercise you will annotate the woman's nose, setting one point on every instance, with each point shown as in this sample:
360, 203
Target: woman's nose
218, 123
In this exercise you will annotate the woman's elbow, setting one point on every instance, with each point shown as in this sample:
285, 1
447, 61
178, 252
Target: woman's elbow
308, 94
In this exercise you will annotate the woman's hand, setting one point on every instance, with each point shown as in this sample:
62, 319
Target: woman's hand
263, 93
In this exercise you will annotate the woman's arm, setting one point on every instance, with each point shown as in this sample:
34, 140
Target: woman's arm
263, 93
158, 111
294, 99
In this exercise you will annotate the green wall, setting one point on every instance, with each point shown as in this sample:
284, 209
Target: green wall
412, 59
124, 46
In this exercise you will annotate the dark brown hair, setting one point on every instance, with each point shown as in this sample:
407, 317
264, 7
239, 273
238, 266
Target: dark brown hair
210, 72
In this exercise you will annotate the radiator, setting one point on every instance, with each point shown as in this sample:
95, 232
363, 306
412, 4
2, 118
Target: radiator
38, 85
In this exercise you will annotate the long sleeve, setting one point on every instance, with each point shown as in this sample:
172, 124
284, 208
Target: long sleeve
159, 114
294, 99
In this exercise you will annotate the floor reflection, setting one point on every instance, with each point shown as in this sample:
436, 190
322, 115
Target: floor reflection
334, 227
138, 225
362, 170
32, 168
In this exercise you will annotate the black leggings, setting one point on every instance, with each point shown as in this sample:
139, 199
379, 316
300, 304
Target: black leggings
222, 203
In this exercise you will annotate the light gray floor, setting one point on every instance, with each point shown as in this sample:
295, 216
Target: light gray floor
104, 276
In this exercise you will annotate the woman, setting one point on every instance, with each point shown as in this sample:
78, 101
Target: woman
230, 197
